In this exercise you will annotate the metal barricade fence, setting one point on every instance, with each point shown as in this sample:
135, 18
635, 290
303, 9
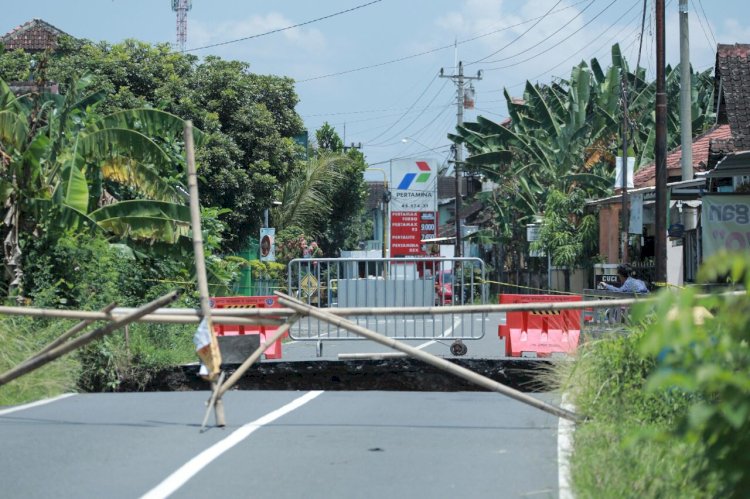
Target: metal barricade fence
601, 320
390, 283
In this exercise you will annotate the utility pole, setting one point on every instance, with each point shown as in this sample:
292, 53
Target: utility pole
686, 125
624, 215
459, 79
660, 150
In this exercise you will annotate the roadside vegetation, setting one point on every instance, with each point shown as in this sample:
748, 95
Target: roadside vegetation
93, 196
668, 403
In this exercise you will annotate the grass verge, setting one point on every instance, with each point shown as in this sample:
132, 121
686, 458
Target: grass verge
103, 365
21, 338
625, 448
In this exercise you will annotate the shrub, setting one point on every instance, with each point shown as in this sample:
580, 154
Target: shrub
709, 360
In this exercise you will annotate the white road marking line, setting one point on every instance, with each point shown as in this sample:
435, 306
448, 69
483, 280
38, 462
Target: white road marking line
188, 470
35, 404
565, 430
445, 333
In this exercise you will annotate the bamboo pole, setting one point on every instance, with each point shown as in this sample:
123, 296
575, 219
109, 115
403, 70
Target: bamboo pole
200, 269
433, 360
231, 316
253, 358
65, 336
223, 387
74, 330
85, 339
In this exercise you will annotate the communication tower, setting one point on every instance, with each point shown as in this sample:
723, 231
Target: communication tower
181, 7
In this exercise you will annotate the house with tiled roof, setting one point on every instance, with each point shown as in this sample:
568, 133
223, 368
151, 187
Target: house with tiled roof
721, 163
33, 36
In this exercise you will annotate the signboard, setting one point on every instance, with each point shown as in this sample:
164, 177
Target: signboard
636, 214
726, 223
618, 172
309, 284
408, 229
267, 244
413, 186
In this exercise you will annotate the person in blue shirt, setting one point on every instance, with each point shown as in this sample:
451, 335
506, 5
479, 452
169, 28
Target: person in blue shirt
628, 283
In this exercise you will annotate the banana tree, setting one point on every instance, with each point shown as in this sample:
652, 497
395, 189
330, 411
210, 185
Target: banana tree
65, 168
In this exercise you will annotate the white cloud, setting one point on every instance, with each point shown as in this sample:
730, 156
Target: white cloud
307, 40
734, 32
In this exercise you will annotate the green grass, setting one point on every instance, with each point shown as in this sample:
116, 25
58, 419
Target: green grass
104, 365
19, 339
625, 448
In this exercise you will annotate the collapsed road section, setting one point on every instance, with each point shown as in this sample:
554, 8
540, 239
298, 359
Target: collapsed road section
387, 375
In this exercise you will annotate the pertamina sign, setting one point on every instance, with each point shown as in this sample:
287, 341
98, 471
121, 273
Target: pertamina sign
413, 206
414, 185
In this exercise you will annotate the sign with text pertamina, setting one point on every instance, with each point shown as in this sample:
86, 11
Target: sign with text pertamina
413, 185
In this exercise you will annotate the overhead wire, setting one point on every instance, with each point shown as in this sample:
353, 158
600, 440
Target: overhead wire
600, 35
435, 77
710, 30
431, 51
516, 38
705, 33
405, 128
562, 27
516, 63
279, 30
387, 143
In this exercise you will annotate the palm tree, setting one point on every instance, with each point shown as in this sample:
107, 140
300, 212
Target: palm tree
305, 199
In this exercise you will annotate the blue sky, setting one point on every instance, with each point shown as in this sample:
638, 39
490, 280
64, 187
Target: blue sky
382, 106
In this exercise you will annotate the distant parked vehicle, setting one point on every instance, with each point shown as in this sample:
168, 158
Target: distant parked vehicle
444, 287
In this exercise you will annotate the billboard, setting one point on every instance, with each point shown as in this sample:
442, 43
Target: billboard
413, 185
408, 229
726, 223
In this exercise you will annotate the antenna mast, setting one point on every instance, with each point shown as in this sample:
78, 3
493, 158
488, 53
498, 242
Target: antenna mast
181, 7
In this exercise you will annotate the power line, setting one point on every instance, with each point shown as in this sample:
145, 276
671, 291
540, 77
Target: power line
404, 129
557, 44
408, 110
432, 51
710, 30
518, 37
279, 30
712, 47
609, 40
640, 42
562, 27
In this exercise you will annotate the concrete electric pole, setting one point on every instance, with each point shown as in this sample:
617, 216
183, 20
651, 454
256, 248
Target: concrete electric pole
460, 80
686, 119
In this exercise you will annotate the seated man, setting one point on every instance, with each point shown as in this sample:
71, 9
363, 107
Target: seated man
628, 283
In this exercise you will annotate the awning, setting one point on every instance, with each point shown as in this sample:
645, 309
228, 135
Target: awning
734, 164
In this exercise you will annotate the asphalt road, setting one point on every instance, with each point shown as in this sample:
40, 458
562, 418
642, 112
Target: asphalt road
294, 444
325, 444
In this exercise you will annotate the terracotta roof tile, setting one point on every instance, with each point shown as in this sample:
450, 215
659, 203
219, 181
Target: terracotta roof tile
34, 36
704, 146
733, 77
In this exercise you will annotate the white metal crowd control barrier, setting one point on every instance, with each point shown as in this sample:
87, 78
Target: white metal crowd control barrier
391, 283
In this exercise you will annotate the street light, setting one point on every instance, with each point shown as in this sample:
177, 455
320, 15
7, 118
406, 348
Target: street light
406, 140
